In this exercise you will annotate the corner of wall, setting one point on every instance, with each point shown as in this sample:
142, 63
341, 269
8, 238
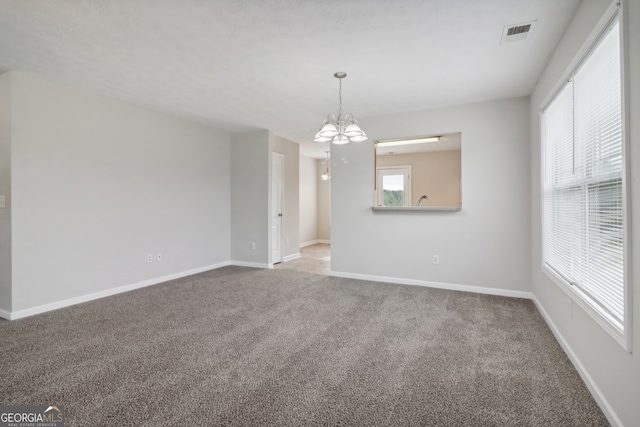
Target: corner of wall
250, 166
609, 371
5, 194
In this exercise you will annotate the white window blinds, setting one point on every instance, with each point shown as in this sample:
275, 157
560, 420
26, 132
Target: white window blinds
583, 227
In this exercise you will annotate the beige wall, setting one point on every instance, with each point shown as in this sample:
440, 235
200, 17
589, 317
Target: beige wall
434, 173
315, 202
324, 205
308, 200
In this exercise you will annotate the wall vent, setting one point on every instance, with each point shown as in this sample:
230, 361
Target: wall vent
517, 32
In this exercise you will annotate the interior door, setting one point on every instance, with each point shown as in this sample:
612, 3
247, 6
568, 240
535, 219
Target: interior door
277, 183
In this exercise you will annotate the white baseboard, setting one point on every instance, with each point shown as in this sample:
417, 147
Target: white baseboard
439, 285
291, 257
250, 264
5, 314
315, 242
584, 374
14, 315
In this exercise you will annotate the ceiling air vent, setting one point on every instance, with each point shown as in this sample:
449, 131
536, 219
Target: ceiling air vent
517, 32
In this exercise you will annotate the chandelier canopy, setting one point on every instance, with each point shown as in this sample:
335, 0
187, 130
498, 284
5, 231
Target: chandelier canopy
340, 129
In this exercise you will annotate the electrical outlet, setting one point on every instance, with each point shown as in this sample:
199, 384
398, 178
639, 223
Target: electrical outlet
253, 246
150, 258
159, 256
435, 259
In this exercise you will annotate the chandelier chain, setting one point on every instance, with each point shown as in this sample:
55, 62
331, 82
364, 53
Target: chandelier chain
340, 96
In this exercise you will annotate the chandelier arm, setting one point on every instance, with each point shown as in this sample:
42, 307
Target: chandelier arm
348, 119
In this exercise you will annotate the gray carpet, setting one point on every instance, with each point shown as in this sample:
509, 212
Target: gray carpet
241, 346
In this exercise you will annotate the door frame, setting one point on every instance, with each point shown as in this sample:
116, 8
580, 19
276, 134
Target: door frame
276, 214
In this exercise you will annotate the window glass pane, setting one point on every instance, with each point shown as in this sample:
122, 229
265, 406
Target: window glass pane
598, 110
558, 119
393, 189
583, 189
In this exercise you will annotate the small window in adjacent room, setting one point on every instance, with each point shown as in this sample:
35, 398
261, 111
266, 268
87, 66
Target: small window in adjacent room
394, 186
584, 202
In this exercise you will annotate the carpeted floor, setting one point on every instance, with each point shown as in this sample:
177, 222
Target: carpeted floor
241, 346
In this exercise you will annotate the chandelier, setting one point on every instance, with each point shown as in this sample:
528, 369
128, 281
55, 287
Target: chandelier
326, 174
340, 129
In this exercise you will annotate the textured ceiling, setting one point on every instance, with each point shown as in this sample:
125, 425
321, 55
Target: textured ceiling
269, 64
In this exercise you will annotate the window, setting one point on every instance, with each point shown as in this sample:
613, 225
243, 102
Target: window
394, 186
584, 186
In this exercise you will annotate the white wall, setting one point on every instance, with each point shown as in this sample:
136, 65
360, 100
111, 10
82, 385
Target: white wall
5, 190
611, 372
291, 193
308, 200
486, 244
250, 166
97, 184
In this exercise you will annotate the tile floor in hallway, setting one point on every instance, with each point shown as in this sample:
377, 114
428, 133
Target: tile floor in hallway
313, 259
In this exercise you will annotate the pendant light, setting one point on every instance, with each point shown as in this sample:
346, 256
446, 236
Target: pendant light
340, 129
326, 175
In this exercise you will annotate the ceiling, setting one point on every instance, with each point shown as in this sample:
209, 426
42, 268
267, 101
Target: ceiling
269, 64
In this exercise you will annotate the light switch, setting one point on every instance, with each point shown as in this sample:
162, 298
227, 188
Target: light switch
2, 203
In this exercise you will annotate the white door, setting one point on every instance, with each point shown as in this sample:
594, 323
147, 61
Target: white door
277, 182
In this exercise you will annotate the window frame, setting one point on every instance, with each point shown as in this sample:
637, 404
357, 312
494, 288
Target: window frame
614, 13
381, 171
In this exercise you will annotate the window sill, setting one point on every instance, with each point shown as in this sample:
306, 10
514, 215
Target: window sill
622, 337
416, 208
